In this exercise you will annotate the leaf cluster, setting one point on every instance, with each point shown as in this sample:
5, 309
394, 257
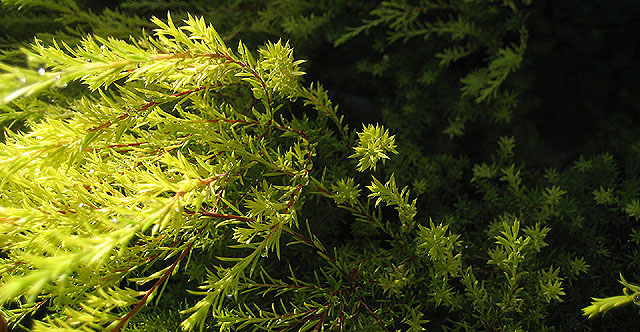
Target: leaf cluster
166, 181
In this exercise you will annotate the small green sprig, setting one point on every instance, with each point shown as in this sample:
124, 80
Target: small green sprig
391, 196
374, 144
602, 305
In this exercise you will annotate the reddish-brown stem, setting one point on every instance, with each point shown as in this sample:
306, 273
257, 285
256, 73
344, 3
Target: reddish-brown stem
100, 127
39, 304
340, 313
255, 74
144, 107
279, 286
281, 127
142, 302
293, 199
215, 155
234, 121
357, 317
323, 190
324, 316
204, 182
296, 322
118, 146
241, 197
375, 317
123, 145
179, 94
146, 259
302, 321
14, 266
108, 123
226, 216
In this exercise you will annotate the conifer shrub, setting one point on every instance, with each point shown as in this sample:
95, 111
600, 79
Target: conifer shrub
183, 162
154, 178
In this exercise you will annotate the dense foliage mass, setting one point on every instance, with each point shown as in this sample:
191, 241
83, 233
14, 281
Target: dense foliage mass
190, 171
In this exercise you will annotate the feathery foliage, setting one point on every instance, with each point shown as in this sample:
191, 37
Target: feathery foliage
169, 156
154, 178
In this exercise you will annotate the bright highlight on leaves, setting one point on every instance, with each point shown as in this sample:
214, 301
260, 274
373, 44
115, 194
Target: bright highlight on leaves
602, 305
147, 168
177, 166
374, 144
175, 161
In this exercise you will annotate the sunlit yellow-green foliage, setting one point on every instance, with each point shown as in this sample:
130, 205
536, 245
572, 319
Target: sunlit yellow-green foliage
155, 156
169, 181
374, 145
178, 146
602, 305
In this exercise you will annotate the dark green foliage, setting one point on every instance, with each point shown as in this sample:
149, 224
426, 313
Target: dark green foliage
480, 173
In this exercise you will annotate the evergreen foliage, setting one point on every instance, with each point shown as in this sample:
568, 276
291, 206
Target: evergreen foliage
163, 175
